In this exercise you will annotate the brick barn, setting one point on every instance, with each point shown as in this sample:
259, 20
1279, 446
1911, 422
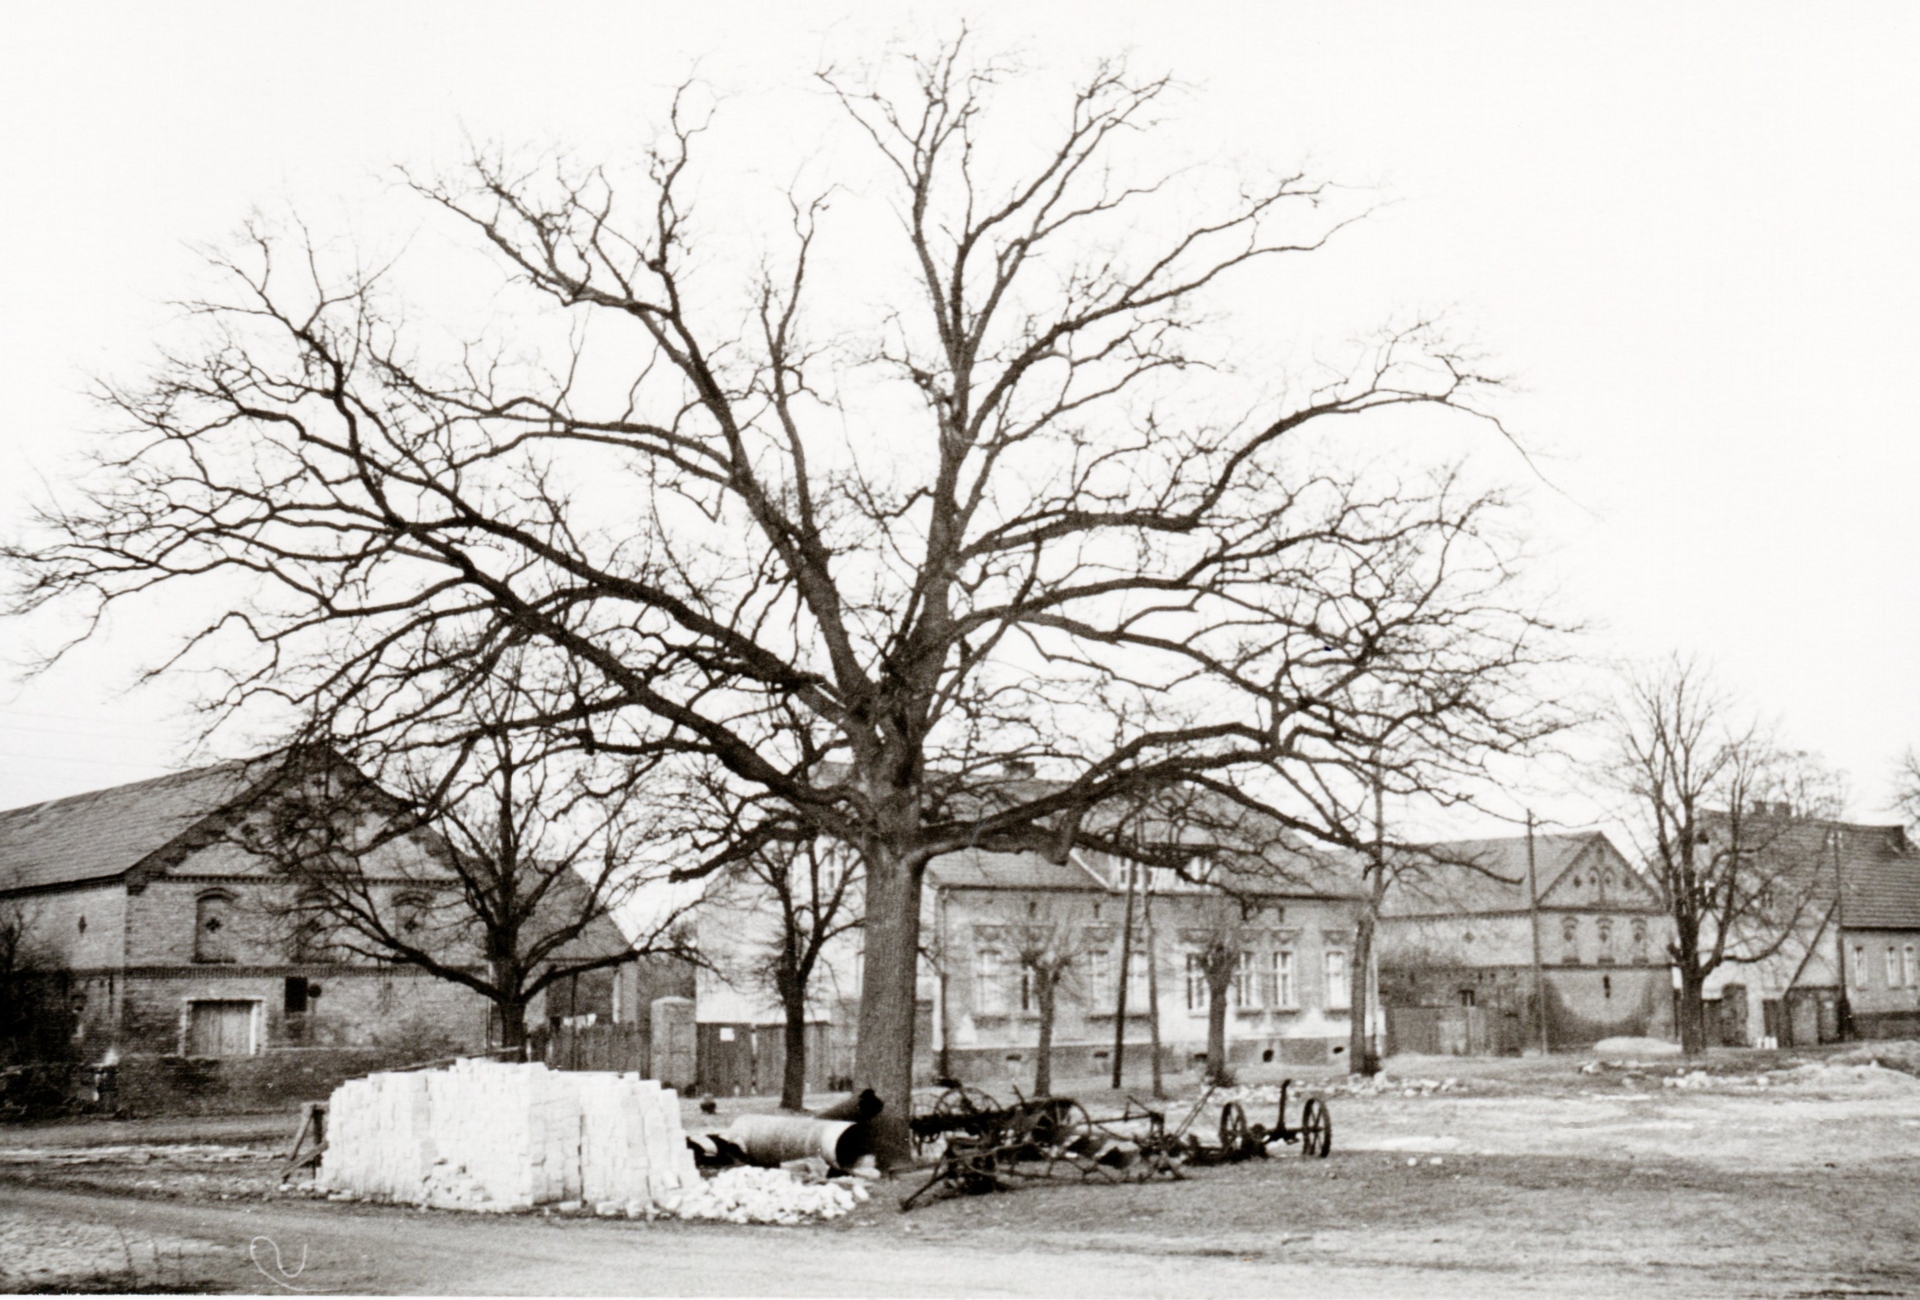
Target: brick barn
189, 972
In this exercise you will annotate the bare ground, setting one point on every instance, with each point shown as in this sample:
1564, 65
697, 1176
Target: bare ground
1527, 1177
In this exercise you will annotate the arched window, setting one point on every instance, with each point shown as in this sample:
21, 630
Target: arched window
213, 927
308, 940
1603, 930
411, 917
1640, 942
1570, 939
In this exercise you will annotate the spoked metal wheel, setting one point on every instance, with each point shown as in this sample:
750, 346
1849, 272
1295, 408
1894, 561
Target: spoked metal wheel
1316, 1129
1233, 1126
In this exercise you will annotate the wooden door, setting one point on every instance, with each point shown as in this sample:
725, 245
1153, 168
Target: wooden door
220, 1029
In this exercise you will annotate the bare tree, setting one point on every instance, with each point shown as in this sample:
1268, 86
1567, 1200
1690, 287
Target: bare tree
1712, 799
491, 856
1049, 954
814, 891
1215, 946
36, 1006
1004, 516
1906, 783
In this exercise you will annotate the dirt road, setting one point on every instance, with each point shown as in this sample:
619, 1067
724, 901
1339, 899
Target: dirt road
1607, 1246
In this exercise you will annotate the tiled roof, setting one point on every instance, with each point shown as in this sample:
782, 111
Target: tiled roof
978, 869
1878, 863
104, 833
1300, 875
1481, 876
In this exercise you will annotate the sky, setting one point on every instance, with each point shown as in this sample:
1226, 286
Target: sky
1685, 231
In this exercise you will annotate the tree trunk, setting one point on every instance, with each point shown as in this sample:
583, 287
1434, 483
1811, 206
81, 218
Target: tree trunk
1693, 1011
1043, 986
793, 1080
513, 1025
1217, 1022
1361, 1058
883, 1055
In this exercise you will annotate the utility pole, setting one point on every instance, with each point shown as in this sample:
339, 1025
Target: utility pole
1533, 920
1843, 1009
1126, 970
1153, 989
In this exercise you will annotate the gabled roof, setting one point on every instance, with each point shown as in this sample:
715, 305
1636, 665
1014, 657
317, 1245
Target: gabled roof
1476, 877
105, 833
1878, 864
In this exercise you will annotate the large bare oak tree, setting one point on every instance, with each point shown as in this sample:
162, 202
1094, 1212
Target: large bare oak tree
974, 496
1713, 798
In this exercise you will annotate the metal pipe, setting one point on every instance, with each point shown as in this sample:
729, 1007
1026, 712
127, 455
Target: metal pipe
772, 1140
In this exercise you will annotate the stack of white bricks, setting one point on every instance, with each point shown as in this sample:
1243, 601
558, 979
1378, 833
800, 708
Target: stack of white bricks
486, 1134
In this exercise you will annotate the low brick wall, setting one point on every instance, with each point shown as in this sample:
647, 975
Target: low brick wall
277, 1080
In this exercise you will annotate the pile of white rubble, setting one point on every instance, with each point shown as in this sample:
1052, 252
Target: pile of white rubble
487, 1135
744, 1194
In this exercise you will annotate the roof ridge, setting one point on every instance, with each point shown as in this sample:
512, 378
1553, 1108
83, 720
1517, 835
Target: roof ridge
184, 773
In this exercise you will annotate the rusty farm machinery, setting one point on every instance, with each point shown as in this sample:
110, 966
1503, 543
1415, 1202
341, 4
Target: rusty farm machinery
975, 1143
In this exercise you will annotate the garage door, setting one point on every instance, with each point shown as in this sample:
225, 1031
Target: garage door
220, 1029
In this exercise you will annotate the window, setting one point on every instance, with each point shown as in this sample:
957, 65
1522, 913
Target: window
213, 928
989, 983
1640, 943
1860, 965
1570, 940
1893, 967
1339, 996
1603, 929
1100, 973
1029, 998
1280, 979
1606, 986
1196, 983
1245, 995
1908, 967
1137, 991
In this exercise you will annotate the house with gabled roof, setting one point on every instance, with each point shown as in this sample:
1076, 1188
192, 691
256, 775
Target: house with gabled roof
179, 942
979, 1016
1481, 941
1290, 999
1850, 968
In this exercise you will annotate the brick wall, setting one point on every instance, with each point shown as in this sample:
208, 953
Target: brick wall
277, 1080
1587, 1005
356, 1007
78, 928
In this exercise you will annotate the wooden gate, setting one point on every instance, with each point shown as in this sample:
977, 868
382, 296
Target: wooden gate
623, 1049
751, 1060
1447, 1031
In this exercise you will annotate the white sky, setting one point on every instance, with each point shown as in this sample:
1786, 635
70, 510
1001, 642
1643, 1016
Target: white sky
1690, 235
